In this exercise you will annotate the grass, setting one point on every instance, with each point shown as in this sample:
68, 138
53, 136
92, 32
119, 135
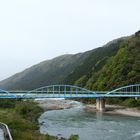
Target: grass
22, 120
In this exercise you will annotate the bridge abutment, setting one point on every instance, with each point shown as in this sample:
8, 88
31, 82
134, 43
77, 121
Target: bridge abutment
100, 104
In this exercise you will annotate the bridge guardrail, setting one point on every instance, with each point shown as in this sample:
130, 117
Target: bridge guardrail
7, 134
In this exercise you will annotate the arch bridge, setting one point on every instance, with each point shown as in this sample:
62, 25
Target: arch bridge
70, 91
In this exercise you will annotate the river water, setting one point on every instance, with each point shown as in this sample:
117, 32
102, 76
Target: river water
89, 125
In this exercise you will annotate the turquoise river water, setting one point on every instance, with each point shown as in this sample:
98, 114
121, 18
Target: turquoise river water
89, 125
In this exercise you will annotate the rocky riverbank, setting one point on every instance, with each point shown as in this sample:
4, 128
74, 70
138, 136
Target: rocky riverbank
115, 109
52, 104
126, 111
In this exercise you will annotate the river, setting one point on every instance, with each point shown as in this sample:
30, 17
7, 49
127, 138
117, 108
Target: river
89, 125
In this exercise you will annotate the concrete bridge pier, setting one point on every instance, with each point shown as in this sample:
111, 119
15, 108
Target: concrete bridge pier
100, 104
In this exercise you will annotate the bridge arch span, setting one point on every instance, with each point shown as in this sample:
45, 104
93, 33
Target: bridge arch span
61, 91
2, 91
130, 90
6, 94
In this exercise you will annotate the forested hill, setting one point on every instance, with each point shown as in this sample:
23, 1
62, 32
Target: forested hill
115, 64
123, 68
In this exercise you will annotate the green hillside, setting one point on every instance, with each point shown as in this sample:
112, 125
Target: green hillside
115, 64
92, 64
121, 69
48, 72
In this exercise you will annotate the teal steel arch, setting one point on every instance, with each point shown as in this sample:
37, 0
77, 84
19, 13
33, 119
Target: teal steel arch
70, 91
126, 90
3, 91
6, 94
59, 91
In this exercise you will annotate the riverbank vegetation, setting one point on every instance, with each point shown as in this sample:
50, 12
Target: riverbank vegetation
126, 102
22, 120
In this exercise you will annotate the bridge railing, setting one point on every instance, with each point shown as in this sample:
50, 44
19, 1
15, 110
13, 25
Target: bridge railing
6, 131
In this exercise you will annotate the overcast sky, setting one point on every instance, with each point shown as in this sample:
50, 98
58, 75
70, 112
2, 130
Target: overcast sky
35, 30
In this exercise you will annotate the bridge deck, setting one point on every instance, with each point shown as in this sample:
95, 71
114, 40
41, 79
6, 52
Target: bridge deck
34, 96
69, 91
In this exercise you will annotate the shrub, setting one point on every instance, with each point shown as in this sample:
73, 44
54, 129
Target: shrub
74, 137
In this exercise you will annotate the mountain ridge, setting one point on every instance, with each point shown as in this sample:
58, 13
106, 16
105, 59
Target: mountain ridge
87, 69
49, 68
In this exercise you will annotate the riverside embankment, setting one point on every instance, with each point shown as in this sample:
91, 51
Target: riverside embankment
4, 132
